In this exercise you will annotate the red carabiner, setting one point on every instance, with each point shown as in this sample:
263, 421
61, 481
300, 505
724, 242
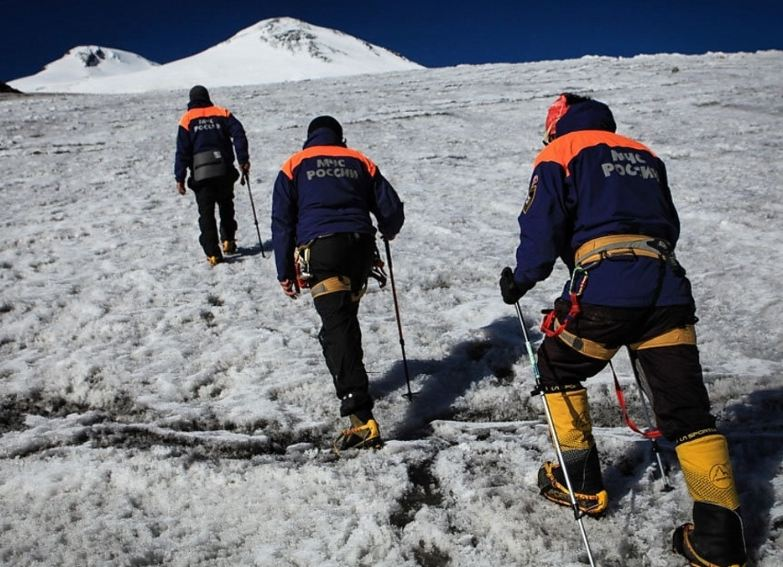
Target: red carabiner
575, 289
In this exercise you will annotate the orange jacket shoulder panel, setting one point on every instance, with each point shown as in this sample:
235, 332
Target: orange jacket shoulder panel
566, 148
194, 113
325, 151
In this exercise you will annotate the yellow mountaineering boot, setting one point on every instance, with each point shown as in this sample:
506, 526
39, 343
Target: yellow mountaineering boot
361, 435
715, 537
552, 484
214, 260
571, 418
229, 247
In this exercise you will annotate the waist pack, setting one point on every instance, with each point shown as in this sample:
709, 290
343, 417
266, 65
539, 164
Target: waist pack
208, 165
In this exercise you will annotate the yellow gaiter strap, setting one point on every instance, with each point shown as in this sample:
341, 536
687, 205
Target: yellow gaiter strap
707, 469
571, 417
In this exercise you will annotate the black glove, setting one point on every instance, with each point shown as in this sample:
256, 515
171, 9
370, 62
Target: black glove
509, 289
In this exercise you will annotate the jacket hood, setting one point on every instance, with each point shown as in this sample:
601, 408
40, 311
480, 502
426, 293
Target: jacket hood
586, 115
323, 137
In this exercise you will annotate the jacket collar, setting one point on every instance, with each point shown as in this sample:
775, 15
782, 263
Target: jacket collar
323, 137
199, 104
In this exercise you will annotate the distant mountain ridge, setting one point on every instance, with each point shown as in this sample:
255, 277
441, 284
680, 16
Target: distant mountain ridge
270, 51
83, 63
4, 88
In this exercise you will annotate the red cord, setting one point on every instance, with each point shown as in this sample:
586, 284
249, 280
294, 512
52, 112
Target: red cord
547, 325
648, 433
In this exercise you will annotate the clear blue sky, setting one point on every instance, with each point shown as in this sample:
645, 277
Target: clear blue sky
434, 34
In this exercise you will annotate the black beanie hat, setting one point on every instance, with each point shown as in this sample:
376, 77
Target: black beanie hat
325, 122
199, 94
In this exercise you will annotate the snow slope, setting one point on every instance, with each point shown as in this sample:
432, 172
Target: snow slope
270, 51
154, 411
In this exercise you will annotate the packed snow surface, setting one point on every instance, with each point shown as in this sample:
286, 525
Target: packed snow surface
270, 51
155, 411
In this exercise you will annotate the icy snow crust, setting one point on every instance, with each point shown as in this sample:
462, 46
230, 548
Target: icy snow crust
270, 51
154, 411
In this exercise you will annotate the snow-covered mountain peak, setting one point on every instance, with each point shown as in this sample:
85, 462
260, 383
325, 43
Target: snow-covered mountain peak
273, 26
298, 37
95, 56
83, 64
90, 56
95, 60
269, 51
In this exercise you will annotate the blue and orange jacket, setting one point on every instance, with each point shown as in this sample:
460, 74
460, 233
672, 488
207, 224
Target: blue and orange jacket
207, 127
590, 182
327, 188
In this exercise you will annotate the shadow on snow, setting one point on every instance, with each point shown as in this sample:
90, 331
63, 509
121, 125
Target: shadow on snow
753, 427
437, 384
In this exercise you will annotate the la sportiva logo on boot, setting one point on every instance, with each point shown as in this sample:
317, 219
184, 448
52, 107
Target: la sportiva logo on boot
720, 476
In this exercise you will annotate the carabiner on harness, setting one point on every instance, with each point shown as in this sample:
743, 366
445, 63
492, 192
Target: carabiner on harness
302, 264
575, 290
377, 271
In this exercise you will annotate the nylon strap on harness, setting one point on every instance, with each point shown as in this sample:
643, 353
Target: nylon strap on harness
605, 247
330, 285
673, 337
591, 349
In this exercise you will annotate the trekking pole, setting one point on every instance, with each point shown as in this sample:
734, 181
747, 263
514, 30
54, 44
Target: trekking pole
245, 178
409, 395
644, 394
553, 432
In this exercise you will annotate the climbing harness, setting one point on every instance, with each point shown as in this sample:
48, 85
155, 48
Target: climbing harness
335, 283
592, 253
605, 247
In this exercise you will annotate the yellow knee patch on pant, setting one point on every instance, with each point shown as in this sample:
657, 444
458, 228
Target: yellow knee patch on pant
707, 469
571, 417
